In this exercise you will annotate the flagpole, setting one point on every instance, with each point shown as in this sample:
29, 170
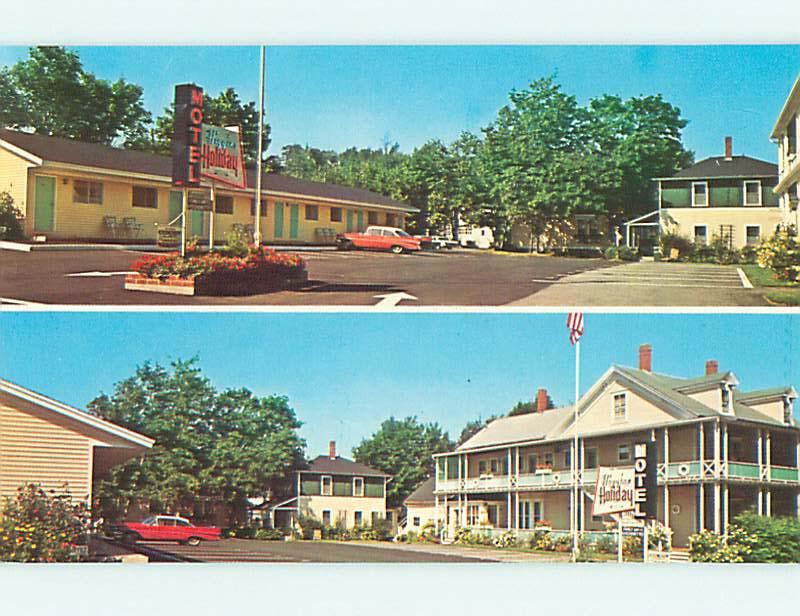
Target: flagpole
257, 232
574, 457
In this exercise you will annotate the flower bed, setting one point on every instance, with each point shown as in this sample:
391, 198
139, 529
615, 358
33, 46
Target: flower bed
261, 270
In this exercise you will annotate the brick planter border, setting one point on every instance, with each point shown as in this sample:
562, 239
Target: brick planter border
201, 286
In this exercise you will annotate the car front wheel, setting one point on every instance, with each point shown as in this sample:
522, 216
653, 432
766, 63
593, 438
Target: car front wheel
398, 250
194, 541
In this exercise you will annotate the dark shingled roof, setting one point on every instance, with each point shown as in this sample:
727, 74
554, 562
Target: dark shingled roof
736, 167
423, 493
341, 466
68, 151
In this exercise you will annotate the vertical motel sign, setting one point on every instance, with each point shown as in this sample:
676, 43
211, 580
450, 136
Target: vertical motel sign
645, 481
187, 136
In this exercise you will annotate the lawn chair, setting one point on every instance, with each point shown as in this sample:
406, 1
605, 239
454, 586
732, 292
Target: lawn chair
111, 224
131, 227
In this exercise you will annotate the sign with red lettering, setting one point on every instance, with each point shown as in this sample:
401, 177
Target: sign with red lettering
222, 156
187, 135
614, 490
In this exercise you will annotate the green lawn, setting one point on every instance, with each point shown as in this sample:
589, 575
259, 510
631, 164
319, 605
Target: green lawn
782, 292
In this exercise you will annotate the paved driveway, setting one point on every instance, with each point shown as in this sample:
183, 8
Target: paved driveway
650, 284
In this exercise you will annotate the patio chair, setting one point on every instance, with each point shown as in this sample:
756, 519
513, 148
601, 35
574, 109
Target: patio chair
132, 227
111, 224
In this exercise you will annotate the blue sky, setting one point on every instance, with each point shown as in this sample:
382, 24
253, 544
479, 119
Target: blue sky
346, 372
337, 96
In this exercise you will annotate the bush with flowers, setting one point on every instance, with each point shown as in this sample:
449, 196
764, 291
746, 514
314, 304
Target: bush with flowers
781, 253
218, 272
40, 527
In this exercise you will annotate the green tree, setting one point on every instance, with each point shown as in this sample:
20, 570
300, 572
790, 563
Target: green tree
225, 109
225, 445
472, 428
50, 93
523, 408
404, 449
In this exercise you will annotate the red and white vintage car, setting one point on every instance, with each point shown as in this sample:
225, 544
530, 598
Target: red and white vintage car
166, 528
380, 238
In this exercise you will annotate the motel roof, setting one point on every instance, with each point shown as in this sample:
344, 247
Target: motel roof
93, 421
41, 149
423, 494
719, 167
341, 466
530, 427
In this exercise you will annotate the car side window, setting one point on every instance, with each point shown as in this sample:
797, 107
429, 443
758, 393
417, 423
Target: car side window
166, 522
182, 523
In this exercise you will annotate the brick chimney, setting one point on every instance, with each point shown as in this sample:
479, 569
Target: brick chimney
541, 401
728, 148
646, 358
332, 450
711, 367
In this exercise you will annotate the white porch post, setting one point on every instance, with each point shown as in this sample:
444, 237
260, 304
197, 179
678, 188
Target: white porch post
508, 491
516, 492
760, 450
760, 508
666, 478
460, 490
435, 499
466, 495
717, 490
768, 454
701, 488
769, 502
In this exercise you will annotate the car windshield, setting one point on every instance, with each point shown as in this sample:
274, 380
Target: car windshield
401, 233
149, 521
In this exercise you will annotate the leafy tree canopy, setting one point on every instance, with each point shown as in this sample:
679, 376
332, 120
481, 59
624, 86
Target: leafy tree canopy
224, 445
50, 93
403, 448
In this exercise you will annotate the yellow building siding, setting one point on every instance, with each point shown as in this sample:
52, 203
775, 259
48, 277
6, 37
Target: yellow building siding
343, 508
74, 220
36, 450
14, 178
684, 220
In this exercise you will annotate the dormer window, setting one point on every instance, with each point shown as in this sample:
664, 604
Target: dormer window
788, 409
699, 194
726, 398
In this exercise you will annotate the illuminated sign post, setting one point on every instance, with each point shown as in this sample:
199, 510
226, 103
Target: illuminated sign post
186, 144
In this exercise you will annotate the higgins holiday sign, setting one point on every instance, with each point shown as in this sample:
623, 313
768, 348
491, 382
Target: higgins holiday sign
187, 135
626, 489
222, 156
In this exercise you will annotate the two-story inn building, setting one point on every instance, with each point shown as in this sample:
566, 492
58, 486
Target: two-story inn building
336, 491
721, 451
786, 133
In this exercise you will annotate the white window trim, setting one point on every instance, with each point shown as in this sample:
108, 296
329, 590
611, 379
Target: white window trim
745, 234
614, 417
619, 458
744, 193
694, 234
322, 485
705, 186
356, 479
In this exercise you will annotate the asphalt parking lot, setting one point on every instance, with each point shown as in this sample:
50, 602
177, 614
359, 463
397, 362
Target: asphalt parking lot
441, 278
251, 551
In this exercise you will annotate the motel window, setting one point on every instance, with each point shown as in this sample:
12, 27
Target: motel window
358, 518
567, 458
524, 514
482, 467
752, 192
253, 208
620, 407
699, 194
372, 218
700, 235
624, 453
312, 212
336, 214
376, 518
492, 511
327, 485
590, 459
144, 196
533, 460
753, 234
548, 458
358, 486
538, 512
494, 466
223, 204
417, 521
326, 517
87, 192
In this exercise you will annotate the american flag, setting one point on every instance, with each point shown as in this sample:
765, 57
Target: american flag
575, 325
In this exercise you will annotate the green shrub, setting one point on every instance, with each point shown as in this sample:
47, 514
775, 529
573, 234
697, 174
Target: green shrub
781, 253
709, 547
766, 539
428, 531
38, 527
10, 219
631, 547
611, 253
269, 534
671, 240
542, 540
748, 254
723, 253
507, 540
627, 254
236, 244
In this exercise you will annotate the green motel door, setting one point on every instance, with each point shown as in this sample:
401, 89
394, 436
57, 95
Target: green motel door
349, 221
195, 226
361, 220
45, 204
294, 221
278, 234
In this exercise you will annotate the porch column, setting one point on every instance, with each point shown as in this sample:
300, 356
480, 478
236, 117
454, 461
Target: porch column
460, 490
726, 504
769, 502
446, 516
516, 492
508, 491
725, 451
435, 514
701, 508
717, 491
768, 456
666, 477
760, 508
760, 452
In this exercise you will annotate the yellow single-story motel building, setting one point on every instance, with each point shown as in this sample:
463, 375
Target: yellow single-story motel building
74, 191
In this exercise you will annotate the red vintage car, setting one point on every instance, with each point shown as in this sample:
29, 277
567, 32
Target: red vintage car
166, 528
380, 238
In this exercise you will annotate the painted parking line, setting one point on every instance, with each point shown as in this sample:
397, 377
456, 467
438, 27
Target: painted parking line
18, 302
745, 280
